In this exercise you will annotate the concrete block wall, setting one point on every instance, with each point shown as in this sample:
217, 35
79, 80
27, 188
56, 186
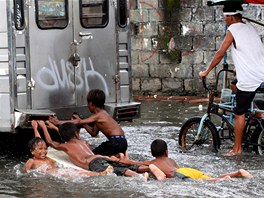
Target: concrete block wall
198, 31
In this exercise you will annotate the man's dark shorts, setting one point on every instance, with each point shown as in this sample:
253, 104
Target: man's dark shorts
100, 164
115, 145
243, 101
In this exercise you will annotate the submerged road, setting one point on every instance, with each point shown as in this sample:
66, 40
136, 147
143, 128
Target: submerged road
163, 120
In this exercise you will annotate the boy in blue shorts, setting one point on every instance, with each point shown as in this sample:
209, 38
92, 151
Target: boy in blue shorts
100, 120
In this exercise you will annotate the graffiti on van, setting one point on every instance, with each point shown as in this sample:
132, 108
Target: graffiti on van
59, 77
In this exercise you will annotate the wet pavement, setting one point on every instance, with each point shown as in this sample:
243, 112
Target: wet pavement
159, 119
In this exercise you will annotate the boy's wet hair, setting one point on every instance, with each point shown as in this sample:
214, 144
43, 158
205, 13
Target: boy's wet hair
32, 144
97, 97
158, 147
67, 131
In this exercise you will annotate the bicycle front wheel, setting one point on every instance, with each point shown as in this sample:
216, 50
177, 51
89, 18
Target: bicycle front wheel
208, 139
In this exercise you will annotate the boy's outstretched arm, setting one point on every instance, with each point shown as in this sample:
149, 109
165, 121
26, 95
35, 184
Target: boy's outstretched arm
51, 126
129, 162
50, 142
56, 121
34, 124
91, 129
87, 122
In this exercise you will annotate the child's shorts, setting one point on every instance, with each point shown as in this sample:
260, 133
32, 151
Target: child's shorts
192, 173
101, 163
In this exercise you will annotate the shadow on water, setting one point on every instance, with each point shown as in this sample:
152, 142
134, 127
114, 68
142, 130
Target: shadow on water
159, 120
12, 144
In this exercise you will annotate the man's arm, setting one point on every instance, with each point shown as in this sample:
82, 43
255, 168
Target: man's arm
219, 54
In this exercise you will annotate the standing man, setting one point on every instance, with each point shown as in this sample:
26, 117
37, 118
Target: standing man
248, 57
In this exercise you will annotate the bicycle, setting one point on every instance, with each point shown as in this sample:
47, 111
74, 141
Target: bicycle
216, 124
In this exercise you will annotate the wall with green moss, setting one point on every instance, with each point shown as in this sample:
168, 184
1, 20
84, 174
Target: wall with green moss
173, 40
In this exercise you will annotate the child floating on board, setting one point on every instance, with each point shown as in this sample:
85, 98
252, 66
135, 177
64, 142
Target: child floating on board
40, 161
82, 156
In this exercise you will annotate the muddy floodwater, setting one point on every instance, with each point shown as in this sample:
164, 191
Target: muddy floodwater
158, 120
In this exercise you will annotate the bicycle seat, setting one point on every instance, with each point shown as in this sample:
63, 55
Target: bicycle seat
261, 87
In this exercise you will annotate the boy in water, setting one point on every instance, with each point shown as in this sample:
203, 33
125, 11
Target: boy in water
100, 120
38, 148
164, 167
81, 155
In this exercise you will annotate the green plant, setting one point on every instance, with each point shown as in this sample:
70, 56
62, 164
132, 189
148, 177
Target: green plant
166, 36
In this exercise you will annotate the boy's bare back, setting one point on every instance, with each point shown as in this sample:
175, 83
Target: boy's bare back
166, 165
79, 152
104, 123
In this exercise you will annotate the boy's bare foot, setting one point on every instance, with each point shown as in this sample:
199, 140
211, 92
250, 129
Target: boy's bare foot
245, 173
109, 170
157, 172
145, 176
121, 156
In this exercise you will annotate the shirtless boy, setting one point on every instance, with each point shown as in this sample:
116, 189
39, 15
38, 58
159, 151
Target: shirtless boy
164, 167
39, 151
81, 155
100, 120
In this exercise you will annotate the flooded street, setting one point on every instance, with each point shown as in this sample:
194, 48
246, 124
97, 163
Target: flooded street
158, 120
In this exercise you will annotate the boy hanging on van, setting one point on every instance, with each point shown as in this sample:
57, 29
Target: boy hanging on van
44, 164
81, 155
100, 120
164, 167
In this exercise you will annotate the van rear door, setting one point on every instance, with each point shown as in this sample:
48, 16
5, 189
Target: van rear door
95, 34
51, 38
72, 50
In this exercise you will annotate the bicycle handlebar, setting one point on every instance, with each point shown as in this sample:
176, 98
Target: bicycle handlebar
216, 81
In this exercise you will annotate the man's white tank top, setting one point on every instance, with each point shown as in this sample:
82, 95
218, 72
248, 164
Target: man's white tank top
248, 56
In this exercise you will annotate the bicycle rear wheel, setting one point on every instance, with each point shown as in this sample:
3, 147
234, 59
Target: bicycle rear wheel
258, 138
208, 139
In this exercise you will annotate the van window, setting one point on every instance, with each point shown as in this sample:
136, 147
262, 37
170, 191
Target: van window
94, 13
122, 13
51, 14
19, 14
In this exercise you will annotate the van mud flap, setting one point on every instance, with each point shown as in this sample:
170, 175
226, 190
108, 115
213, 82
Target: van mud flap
23, 118
123, 111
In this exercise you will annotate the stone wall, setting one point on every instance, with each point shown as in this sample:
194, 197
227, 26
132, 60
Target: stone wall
197, 30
